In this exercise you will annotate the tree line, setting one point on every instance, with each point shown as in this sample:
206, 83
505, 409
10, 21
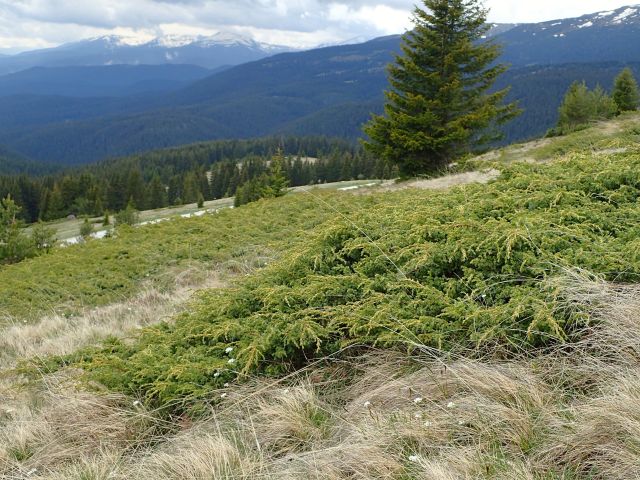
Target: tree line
185, 175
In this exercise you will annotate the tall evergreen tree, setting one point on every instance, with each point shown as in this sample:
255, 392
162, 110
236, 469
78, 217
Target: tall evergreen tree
625, 91
439, 105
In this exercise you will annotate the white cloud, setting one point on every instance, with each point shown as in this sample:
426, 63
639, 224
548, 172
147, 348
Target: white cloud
27, 24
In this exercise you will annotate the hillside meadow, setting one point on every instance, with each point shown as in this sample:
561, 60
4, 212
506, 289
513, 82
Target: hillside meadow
481, 331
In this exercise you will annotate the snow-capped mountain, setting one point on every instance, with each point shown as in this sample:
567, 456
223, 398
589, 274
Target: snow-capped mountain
221, 49
611, 35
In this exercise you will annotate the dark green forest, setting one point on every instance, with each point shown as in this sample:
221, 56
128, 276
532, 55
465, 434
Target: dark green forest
182, 175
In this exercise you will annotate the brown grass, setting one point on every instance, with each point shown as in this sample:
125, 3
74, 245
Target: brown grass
573, 413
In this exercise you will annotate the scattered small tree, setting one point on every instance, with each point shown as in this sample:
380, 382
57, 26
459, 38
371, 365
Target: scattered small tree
582, 106
86, 229
271, 184
128, 216
625, 91
440, 105
14, 244
43, 237
105, 221
276, 182
200, 200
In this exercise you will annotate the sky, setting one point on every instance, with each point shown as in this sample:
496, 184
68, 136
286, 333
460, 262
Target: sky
32, 24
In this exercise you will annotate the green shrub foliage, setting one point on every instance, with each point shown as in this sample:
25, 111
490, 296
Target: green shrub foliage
467, 267
582, 106
625, 91
14, 244
128, 216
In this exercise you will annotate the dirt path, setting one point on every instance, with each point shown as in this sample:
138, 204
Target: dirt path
441, 183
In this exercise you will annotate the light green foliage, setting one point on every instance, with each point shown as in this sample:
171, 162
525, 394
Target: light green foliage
97, 273
463, 268
14, 244
86, 229
439, 106
43, 237
625, 91
582, 106
128, 216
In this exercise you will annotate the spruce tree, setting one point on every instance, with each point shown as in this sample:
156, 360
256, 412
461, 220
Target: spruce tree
440, 106
275, 181
625, 91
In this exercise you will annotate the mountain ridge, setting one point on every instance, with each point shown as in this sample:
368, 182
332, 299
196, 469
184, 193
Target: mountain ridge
331, 90
204, 51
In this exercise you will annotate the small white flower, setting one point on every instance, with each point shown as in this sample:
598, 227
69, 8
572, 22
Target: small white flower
32, 472
418, 416
231, 361
286, 391
461, 422
367, 404
137, 403
418, 400
228, 350
216, 375
414, 458
226, 385
451, 405
224, 395
427, 424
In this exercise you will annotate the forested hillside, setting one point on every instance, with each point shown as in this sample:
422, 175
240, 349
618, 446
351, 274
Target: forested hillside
184, 175
328, 91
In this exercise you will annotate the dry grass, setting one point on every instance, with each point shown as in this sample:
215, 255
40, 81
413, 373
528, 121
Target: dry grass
60, 335
441, 183
573, 413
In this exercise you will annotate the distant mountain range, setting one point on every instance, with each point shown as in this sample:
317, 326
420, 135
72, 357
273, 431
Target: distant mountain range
612, 35
328, 91
103, 81
220, 50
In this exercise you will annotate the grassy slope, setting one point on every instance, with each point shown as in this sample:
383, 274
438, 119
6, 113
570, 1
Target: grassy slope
104, 271
68, 229
465, 267
484, 256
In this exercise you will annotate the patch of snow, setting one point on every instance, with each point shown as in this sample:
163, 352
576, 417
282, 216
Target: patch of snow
176, 41
586, 25
556, 24
606, 14
627, 13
